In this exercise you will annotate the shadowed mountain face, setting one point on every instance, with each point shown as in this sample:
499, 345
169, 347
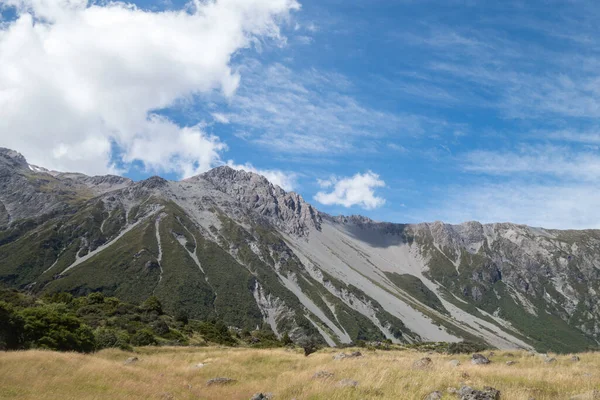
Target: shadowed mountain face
228, 244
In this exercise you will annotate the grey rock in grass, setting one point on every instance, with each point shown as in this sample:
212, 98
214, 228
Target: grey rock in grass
262, 396
131, 360
219, 381
509, 363
487, 393
454, 363
550, 360
423, 363
348, 383
479, 359
437, 395
323, 375
575, 358
592, 395
341, 356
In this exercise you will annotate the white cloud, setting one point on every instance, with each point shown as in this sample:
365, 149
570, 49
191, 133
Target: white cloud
77, 78
358, 190
285, 180
220, 118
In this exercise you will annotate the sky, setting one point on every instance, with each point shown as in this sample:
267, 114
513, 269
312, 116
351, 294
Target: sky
400, 110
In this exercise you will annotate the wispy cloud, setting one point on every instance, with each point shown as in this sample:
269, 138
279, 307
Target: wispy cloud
312, 111
559, 206
555, 161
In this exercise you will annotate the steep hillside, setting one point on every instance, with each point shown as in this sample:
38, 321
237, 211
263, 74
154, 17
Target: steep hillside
228, 244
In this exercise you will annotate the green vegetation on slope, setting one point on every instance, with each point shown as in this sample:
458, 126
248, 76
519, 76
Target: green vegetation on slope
63, 322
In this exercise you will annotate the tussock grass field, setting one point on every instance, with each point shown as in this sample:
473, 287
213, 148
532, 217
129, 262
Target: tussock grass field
170, 373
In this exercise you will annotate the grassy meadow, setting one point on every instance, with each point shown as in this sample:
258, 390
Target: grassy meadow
172, 373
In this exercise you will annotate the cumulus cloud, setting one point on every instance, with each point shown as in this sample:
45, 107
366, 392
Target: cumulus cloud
358, 190
286, 181
80, 79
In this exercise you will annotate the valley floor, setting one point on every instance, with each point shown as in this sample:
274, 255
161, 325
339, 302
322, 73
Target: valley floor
173, 373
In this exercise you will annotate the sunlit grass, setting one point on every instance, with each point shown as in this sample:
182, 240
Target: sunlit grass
169, 373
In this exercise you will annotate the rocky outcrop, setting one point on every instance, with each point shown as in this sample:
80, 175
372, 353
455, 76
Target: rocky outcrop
287, 211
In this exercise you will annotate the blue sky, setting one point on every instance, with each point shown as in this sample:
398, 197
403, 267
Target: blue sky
404, 111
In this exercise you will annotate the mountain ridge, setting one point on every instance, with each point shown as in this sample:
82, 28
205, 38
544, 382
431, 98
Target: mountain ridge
232, 245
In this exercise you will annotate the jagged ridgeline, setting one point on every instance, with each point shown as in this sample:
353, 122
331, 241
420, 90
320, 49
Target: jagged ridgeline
229, 245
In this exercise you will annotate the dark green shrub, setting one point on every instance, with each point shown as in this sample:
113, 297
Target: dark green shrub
11, 328
152, 304
111, 338
143, 337
160, 327
286, 340
465, 347
53, 327
95, 298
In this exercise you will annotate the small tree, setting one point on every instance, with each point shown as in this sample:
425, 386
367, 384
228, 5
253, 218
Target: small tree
310, 345
143, 337
287, 340
153, 304
182, 316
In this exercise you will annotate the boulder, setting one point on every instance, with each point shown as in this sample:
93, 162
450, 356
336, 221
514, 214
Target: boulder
454, 363
131, 360
423, 363
550, 360
479, 359
592, 395
437, 395
509, 363
488, 393
341, 356
575, 358
262, 396
323, 375
347, 383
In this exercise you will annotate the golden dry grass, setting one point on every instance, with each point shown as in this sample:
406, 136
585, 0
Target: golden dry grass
168, 373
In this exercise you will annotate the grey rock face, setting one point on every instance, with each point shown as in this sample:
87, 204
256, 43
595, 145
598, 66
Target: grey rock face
287, 211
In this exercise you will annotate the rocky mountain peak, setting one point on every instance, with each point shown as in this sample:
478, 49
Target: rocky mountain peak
12, 158
154, 182
288, 211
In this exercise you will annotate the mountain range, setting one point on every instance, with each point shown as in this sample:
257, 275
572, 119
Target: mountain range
229, 245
